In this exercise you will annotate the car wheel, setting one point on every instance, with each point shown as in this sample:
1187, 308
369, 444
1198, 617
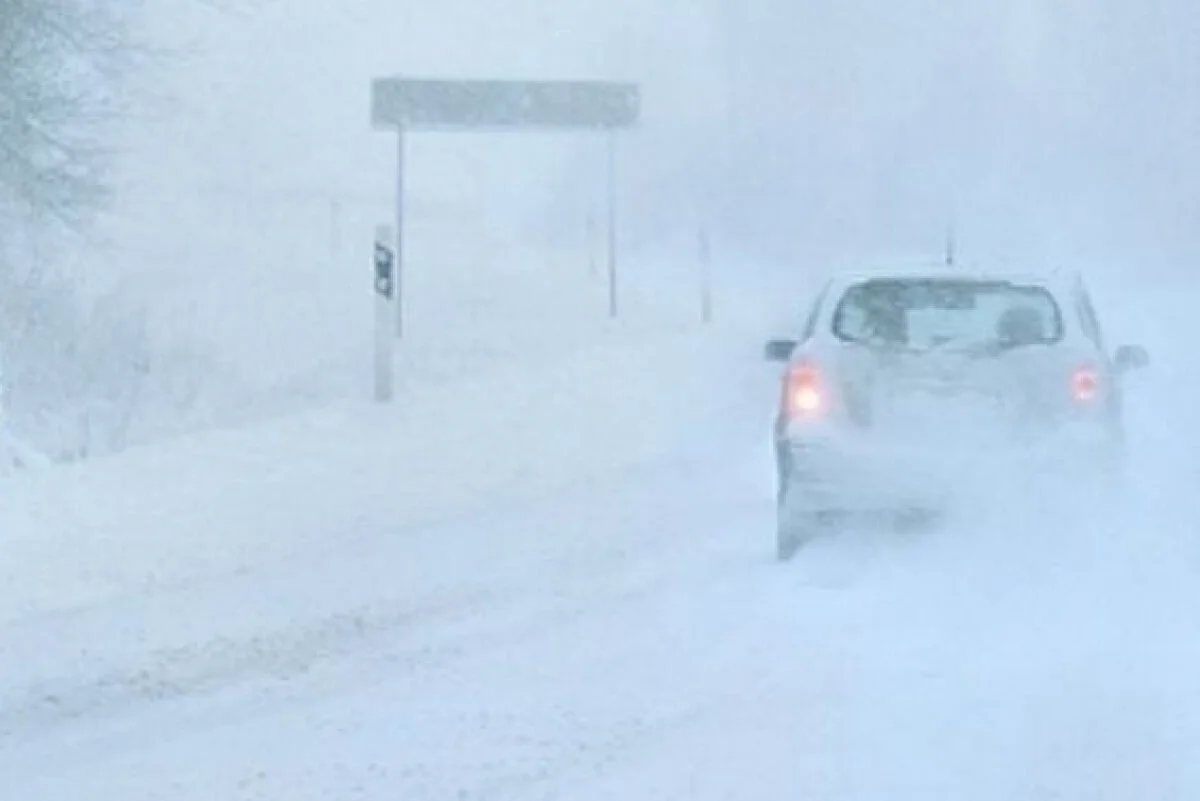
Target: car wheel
787, 542
796, 531
796, 527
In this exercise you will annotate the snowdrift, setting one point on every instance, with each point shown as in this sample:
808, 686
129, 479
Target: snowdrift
221, 501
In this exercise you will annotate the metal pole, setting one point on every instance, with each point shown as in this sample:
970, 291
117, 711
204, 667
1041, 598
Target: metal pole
335, 232
706, 300
590, 241
951, 245
399, 272
612, 223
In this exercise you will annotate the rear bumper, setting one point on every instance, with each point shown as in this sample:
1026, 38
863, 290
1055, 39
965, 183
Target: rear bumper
824, 472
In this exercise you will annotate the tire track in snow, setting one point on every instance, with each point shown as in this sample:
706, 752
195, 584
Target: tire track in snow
407, 631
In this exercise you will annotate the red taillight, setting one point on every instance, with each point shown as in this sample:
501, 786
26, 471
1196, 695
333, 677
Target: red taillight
1085, 385
804, 392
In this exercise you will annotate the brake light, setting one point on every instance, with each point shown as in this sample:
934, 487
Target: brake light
1085, 385
804, 392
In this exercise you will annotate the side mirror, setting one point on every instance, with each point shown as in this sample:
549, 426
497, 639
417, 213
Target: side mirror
1131, 357
779, 350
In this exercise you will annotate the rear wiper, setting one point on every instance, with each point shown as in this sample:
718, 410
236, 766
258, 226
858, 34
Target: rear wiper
997, 347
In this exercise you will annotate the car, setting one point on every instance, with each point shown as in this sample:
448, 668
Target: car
899, 383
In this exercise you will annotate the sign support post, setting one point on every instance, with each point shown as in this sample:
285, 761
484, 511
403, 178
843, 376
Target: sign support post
590, 242
705, 258
611, 181
399, 270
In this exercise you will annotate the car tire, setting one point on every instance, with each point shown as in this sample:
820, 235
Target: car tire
795, 531
787, 542
796, 527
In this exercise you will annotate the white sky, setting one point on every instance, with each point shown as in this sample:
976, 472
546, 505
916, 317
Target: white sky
1041, 127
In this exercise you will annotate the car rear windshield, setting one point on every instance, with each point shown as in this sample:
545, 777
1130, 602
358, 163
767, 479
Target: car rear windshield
936, 313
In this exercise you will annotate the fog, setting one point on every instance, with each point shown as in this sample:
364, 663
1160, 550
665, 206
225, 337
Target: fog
800, 137
1037, 129
545, 569
794, 132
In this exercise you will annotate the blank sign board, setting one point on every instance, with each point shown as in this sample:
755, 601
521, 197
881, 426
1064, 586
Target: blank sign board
419, 104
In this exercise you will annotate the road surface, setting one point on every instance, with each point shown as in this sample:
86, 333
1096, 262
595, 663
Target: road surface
632, 639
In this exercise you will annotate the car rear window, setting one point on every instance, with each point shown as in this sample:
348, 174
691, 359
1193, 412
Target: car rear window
951, 313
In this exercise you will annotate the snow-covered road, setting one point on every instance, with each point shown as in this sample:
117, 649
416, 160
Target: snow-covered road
627, 636
631, 639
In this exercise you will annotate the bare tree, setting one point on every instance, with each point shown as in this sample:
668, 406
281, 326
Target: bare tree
77, 377
61, 69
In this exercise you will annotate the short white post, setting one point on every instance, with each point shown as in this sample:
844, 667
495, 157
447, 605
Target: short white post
385, 280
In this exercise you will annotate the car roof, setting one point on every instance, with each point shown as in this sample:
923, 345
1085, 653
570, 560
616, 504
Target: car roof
1054, 279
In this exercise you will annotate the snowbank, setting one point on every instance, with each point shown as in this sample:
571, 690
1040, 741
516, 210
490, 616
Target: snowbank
223, 501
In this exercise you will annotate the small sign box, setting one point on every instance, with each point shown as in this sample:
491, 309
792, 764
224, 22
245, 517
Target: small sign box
385, 262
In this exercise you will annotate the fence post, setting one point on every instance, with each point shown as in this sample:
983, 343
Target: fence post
705, 259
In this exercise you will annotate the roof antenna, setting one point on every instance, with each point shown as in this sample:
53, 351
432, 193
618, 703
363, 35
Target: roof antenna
950, 245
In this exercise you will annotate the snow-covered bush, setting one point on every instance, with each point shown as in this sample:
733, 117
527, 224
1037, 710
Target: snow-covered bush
87, 380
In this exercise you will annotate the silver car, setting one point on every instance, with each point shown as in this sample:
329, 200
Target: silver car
902, 386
